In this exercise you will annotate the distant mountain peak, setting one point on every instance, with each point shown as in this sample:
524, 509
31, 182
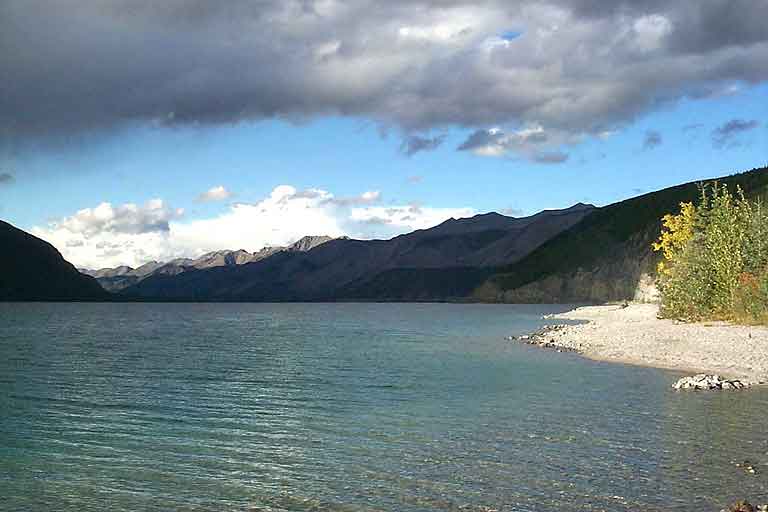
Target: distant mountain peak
117, 278
580, 206
309, 242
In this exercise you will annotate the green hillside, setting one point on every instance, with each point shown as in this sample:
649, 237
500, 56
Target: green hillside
621, 230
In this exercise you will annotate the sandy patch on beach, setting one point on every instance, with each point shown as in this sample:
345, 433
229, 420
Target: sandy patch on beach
634, 335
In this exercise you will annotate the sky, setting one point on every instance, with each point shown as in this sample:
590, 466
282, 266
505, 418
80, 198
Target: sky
136, 130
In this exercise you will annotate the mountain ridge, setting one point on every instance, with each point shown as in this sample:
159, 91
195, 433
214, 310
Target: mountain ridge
578, 254
324, 272
118, 278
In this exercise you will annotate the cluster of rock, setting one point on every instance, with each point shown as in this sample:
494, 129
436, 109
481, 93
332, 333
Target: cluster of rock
747, 467
707, 382
745, 506
550, 336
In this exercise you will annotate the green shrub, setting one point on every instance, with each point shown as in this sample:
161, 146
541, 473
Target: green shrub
751, 299
715, 259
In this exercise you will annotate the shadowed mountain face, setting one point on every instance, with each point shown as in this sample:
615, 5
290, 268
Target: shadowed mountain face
119, 278
33, 269
440, 263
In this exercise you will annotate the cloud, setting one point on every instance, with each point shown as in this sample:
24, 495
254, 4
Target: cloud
726, 134
495, 142
407, 218
532, 143
367, 197
489, 142
218, 193
651, 140
412, 144
579, 67
370, 196
512, 212
550, 157
107, 236
130, 219
415, 179
6, 178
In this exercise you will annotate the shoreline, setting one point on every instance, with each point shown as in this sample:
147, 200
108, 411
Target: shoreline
633, 335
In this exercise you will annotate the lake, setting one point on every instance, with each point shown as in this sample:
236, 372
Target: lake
349, 407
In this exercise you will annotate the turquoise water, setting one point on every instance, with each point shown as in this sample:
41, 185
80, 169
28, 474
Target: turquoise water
348, 407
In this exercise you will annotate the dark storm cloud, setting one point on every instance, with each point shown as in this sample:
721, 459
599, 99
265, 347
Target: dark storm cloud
700, 26
652, 139
726, 134
78, 66
412, 144
6, 178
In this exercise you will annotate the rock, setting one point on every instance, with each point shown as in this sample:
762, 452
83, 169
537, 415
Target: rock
554, 336
706, 382
742, 506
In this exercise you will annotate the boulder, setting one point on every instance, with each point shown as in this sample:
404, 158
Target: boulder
707, 382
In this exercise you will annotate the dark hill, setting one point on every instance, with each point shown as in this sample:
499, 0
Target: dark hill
33, 269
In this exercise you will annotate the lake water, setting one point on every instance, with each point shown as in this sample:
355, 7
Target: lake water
349, 407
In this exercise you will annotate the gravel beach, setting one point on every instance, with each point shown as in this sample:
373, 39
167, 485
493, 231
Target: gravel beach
633, 334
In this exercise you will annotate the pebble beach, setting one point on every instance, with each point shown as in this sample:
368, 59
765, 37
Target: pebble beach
633, 334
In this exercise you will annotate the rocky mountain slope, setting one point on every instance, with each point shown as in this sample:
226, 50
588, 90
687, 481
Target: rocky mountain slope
119, 278
33, 269
346, 269
607, 256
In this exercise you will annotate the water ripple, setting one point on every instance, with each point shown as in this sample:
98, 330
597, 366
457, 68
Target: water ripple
347, 407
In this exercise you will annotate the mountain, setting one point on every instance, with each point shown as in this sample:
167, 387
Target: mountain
33, 269
608, 255
307, 243
119, 278
347, 269
579, 254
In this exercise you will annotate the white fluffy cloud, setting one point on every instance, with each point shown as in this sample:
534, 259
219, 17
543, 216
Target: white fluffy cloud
108, 235
218, 193
130, 219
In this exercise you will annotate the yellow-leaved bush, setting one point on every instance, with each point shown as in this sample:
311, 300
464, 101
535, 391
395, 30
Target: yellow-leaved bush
715, 259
